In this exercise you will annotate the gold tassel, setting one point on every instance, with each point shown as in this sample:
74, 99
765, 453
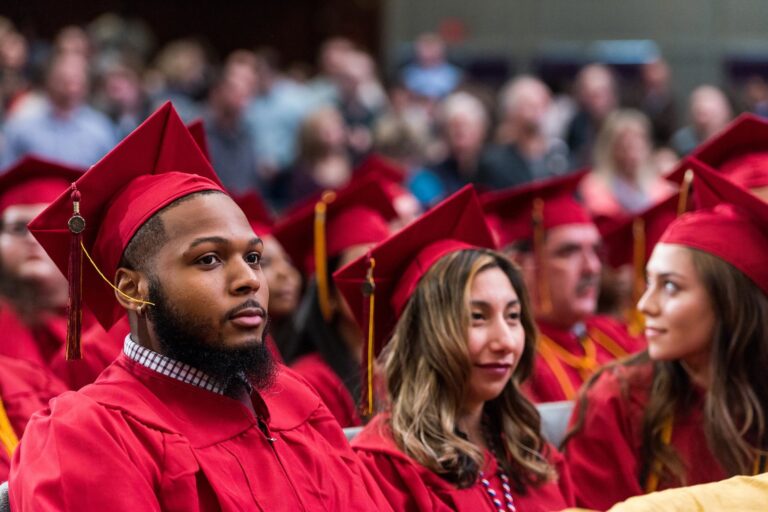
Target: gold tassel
8, 437
542, 282
369, 289
321, 257
685, 190
652, 483
636, 321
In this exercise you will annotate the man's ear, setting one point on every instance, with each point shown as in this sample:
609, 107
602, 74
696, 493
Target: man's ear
131, 283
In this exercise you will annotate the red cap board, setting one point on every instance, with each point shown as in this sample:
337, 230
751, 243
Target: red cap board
731, 224
402, 259
354, 215
156, 164
511, 213
739, 151
256, 212
33, 180
197, 130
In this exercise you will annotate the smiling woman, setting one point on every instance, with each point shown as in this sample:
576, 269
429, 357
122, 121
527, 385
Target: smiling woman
692, 408
457, 433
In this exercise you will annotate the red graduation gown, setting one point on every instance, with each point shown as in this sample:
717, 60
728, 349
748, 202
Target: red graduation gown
410, 487
610, 339
138, 440
330, 388
16, 339
100, 348
604, 456
25, 388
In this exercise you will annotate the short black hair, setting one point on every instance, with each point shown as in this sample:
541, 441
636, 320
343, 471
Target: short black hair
151, 236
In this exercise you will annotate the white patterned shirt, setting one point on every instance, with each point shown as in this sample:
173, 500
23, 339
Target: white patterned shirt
170, 367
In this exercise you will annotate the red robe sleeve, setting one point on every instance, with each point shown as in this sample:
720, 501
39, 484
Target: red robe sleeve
331, 389
603, 455
47, 469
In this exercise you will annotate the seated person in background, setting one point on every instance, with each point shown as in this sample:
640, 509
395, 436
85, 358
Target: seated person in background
25, 388
543, 228
457, 434
194, 415
624, 179
327, 350
688, 410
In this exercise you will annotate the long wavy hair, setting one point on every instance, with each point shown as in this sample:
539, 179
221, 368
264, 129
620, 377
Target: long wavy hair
736, 402
427, 368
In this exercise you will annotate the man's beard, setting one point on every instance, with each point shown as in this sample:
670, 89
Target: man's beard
187, 339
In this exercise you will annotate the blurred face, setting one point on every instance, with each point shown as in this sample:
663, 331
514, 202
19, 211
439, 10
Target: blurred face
22, 258
572, 264
331, 129
709, 111
631, 149
465, 133
68, 82
210, 272
597, 94
679, 317
496, 336
530, 106
282, 277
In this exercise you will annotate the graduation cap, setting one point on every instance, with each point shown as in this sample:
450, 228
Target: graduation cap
156, 164
739, 152
324, 227
632, 240
256, 212
377, 286
731, 224
33, 180
197, 130
380, 167
528, 212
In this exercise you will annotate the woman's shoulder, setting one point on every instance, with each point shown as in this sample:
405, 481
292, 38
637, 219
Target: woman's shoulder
621, 384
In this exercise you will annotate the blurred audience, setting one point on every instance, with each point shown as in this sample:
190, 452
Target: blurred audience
597, 97
61, 126
323, 160
624, 179
431, 75
524, 152
463, 125
709, 112
230, 138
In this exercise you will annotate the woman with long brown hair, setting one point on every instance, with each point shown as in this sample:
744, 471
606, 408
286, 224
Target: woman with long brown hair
457, 433
693, 407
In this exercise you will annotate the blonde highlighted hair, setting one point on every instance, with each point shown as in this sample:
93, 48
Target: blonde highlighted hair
427, 368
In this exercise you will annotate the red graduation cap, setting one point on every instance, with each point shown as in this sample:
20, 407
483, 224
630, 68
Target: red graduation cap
34, 180
156, 164
632, 241
197, 130
528, 212
256, 212
731, 224
393, 268
324, 227
514, 213
739, 151
380, 167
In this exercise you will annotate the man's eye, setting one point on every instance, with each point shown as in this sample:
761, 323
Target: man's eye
208, 259
253, 258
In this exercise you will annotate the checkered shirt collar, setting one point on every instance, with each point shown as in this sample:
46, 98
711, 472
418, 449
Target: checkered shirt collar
170, 367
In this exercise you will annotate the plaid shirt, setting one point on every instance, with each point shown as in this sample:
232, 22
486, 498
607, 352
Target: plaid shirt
170, 367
